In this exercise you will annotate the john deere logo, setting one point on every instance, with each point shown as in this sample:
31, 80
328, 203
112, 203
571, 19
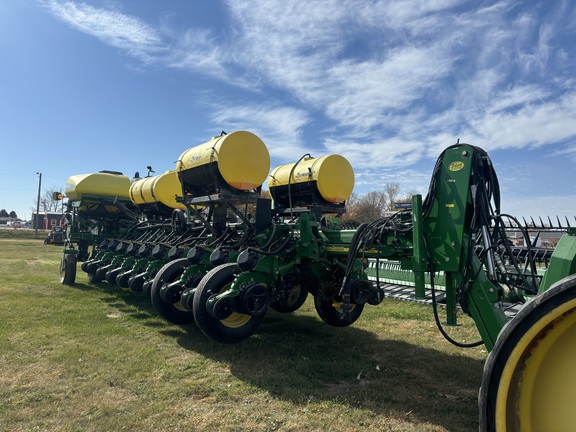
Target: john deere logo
456, 166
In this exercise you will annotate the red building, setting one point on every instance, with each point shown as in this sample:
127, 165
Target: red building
47, 220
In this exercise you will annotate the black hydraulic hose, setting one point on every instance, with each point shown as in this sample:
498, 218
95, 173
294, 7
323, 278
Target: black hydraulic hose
120, 207
271, 239
153, 227
352, 253
242, 241
220, 239
279, 249
290, 182
435, 305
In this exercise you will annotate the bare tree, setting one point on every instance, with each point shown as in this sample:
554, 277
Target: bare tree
392, 192
374, 204
47, 201
364, 208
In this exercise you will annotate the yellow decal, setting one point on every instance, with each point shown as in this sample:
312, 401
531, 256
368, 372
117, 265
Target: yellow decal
336, 249
456, 166
450, 205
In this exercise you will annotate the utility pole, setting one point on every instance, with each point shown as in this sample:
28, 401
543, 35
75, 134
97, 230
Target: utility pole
38, 204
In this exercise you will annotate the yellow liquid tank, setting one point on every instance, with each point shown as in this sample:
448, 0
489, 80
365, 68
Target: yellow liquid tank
163, 188
328, 179
239, 160
103, 183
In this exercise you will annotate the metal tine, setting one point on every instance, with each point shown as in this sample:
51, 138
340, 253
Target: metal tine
541, 223
559, 223
533, 223
525, 223
550, 222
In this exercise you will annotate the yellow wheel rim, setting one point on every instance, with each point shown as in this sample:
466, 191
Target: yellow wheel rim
537, 387
338, 306
178, 305
236, 320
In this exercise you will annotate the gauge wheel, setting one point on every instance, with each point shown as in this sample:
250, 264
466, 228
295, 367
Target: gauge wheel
233, 329
175, 313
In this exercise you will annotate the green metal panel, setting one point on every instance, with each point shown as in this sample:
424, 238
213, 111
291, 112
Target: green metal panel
563, 261
445, 221
392, 272
419, 261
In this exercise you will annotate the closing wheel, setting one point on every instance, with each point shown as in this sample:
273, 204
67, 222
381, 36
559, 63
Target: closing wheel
173, 312
529, 377
237, 326
292, 302
332, 312
68, 269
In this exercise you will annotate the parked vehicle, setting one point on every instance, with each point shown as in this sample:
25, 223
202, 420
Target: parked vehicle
55, 236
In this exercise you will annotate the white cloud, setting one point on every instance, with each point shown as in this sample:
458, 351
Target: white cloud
569, 151
279, 127
196, 49
386, 153
397, 81
112, 27
532, 125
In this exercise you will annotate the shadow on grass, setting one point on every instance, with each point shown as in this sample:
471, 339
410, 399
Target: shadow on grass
300, 359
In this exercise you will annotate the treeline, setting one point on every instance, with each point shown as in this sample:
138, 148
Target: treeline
375, 204
5, 214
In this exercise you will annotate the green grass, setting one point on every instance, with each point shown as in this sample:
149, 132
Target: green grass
97, 358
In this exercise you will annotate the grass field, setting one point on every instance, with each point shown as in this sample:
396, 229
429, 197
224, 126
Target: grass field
97, 358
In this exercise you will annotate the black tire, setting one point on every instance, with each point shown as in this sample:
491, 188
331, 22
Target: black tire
233, 329
291, 303
511, 375
172, 312
331, 312
68, 269
122, 279
111, 275
178, 221
92, 278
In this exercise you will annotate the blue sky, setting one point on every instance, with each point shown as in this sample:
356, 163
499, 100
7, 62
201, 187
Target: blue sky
119, 85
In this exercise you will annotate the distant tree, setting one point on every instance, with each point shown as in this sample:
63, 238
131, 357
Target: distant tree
13, 215
4, 213
392, 192
373, 205
250, 209
47, 201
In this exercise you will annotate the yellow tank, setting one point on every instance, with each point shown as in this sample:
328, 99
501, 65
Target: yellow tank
240, 159
103, 183
328, 179
162, 188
